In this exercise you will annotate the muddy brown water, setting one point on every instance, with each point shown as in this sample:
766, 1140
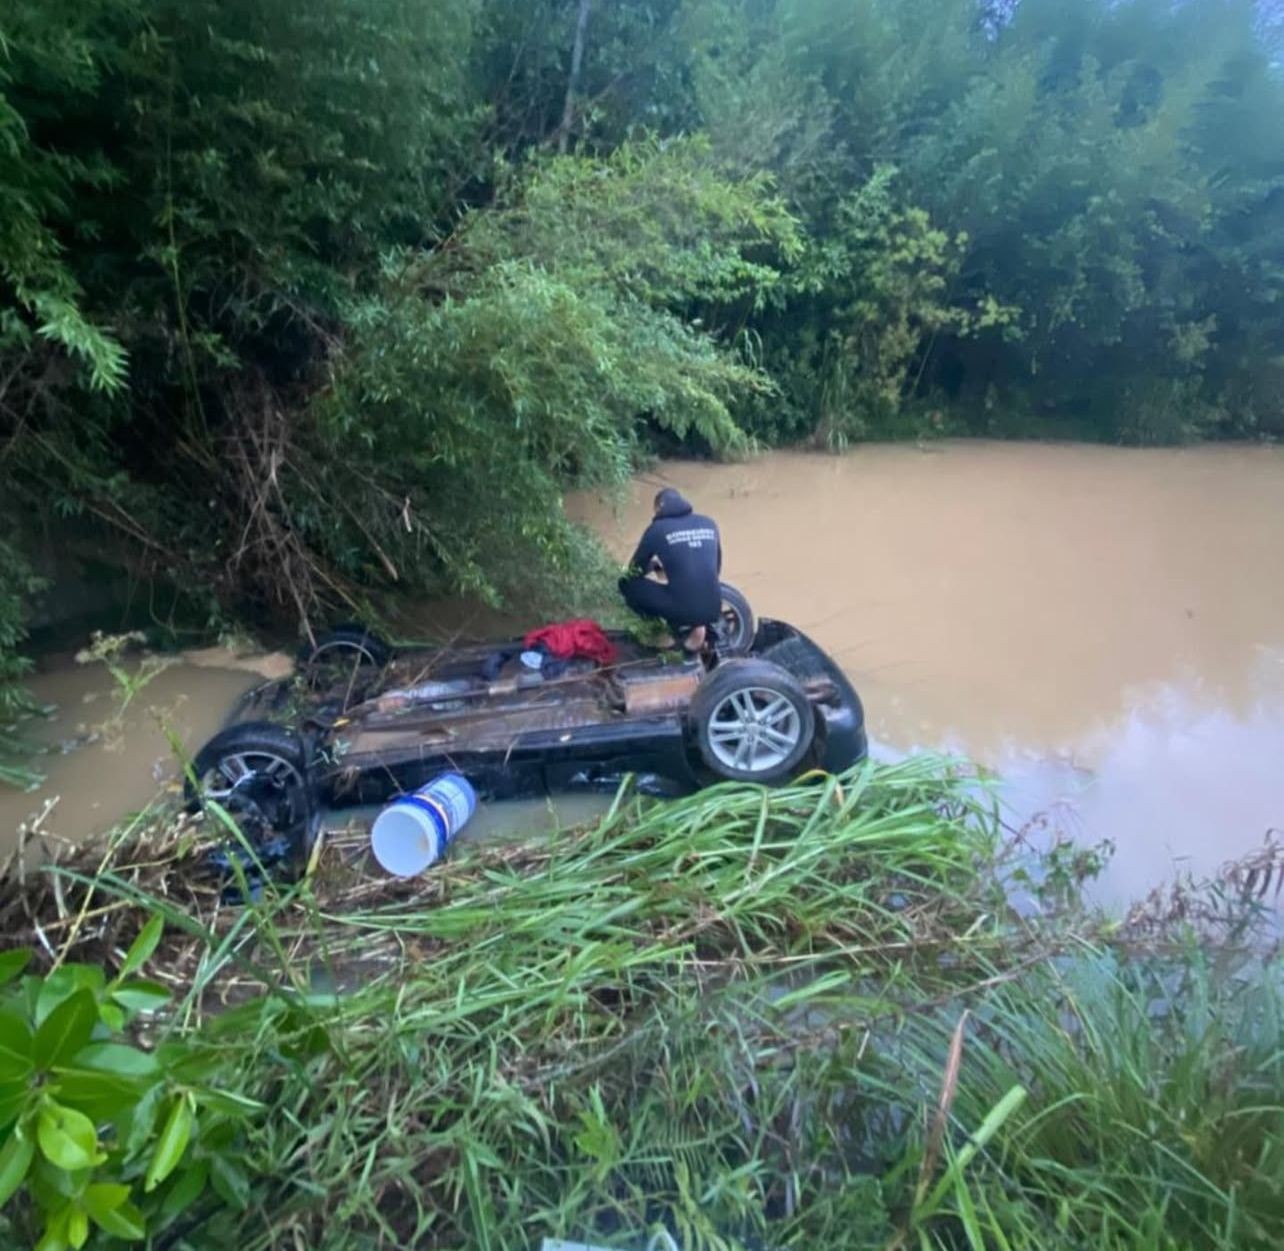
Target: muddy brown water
102, 763
1104, 626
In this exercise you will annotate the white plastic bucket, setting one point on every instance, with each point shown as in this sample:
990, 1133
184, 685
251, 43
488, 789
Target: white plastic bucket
414, 830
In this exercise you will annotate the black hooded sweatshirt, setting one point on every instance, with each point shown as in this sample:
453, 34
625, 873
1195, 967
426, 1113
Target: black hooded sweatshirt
689, 550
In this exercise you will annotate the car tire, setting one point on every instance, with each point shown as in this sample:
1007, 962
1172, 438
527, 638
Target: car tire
259, 750
735, 629
752, 722
345, 643
344, 660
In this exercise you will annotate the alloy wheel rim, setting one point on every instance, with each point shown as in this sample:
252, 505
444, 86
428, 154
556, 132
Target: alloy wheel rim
754, 730
730, 626
232, 771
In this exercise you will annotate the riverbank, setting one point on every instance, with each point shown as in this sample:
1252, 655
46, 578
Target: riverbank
803, 1018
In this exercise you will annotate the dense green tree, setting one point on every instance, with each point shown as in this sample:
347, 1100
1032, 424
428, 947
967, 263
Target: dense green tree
1087, 164
532, 352
1114, 171
297, 304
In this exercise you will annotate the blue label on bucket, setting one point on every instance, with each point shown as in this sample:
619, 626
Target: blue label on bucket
453, 796
436, 816
414, 830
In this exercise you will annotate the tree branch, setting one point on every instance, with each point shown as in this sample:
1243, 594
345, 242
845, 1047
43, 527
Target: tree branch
573, 81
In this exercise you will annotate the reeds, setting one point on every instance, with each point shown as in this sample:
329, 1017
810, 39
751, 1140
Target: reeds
802, 1018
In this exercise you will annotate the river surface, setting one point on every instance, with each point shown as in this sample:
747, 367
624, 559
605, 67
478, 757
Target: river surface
1104, 626
103, 760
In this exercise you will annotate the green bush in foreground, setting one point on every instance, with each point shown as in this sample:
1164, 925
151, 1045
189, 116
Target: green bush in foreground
802, 1019
97, 1131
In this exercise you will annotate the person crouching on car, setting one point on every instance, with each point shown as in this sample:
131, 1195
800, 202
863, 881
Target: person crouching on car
687, 549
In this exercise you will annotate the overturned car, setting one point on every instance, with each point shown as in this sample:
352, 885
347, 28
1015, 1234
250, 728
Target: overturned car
362, 722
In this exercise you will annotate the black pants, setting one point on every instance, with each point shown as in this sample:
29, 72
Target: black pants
648, 598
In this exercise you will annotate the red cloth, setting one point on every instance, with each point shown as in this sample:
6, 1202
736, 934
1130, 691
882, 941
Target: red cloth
574, 638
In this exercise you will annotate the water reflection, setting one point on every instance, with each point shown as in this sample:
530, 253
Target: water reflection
1176, 786
1180, 786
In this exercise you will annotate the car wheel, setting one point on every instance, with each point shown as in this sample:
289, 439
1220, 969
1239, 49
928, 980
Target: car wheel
734, 630
752, 722
257, 768
345, 653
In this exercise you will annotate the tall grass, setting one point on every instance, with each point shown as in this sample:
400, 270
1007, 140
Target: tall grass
797, 1019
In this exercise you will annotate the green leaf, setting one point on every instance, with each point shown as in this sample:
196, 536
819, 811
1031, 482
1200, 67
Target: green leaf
61, 984
104, 1197
15, 1159
144, 946
187, 1188
67, 1138
15, 1047
109, 1208
126, 1223
112, 1016
29, 993
993, 1122
219, 1136
171, 1144
50, 1186
188, 1064
13, 1098
12, 963
66, 1029
55, 1236
100, 1096
246, 1018
77, 1227
228, 1103
230, 1182
140, 996
118, 1058
142, 1121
